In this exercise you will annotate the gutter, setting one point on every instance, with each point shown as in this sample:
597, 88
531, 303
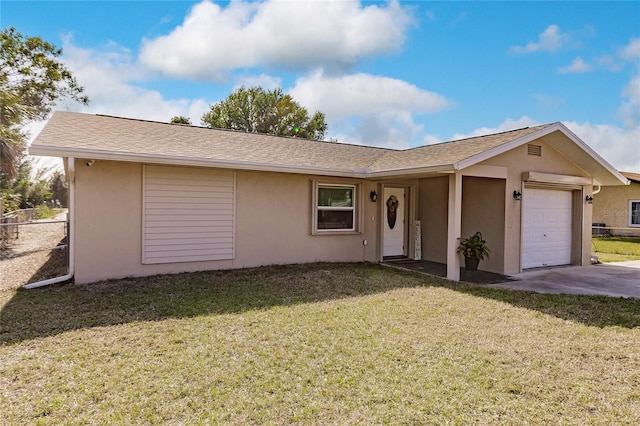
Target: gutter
71, 178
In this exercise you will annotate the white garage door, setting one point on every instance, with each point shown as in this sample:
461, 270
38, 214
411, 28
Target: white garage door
546, 228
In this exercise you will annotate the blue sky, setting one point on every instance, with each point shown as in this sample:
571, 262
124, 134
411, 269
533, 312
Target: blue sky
392, 74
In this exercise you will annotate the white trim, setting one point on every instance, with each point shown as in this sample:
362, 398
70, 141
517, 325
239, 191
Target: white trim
447, 168
592, 153
553, 178
196, 162
632, 225
71, 234
501, 149
356, 209
405, 218
529, 222
536, 135
355, 173
454, 226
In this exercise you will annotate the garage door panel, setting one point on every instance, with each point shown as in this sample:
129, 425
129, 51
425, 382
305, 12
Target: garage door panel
546, 228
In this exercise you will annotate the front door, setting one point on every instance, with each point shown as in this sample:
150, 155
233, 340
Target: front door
394, 224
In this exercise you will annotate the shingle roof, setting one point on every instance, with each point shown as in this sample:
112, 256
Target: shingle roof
113, 138
631, 176
447, 152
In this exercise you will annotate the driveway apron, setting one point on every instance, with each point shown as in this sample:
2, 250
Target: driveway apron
620, 279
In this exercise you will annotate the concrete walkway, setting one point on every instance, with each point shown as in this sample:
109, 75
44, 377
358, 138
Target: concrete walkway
620, 279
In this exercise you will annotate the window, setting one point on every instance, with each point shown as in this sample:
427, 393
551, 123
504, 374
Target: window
335, 208
634, 212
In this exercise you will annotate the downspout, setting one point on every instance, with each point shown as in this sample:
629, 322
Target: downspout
595, 191
71, 179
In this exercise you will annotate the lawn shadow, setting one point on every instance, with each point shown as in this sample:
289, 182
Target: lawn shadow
56, 309
597, 311
55, 266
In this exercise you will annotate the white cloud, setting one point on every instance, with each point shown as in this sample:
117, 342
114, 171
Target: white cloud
551, 39
109, 76
631, 52
265, 81
365, 94
213, 40
505, 126
459, 18
607, 62
368, 109
576, 66
620, 147
431, 139
547, 101
629, 111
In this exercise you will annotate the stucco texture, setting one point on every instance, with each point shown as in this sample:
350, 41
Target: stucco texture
273, 224
611, 207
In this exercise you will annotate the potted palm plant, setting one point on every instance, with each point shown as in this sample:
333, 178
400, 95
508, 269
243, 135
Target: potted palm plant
474, 249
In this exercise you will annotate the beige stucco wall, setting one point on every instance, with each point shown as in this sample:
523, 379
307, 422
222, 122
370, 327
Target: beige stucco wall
432, 212
483, 209
273, 224
611, 206
518, 161
273, 218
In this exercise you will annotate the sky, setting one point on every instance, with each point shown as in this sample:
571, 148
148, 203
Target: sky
395, 74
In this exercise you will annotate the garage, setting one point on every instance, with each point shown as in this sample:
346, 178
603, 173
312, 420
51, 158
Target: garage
546, 227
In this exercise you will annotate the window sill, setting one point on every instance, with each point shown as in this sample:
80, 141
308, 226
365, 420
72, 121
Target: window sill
335, 232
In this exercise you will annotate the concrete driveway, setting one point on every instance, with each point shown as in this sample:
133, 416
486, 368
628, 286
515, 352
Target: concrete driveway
620, 279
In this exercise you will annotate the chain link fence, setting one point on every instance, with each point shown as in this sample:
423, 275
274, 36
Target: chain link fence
32, 250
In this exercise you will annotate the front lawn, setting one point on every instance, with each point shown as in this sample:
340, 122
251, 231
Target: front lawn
616, 249
315, 344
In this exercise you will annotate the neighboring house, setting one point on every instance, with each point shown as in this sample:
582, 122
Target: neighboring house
151, 198
616, 209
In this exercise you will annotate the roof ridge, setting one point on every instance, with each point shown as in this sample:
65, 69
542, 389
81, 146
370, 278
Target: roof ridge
236, 131
481, 136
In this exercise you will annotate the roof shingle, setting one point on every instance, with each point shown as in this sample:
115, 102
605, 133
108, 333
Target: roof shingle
89, 133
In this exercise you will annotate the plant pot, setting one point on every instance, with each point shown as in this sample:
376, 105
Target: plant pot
471, 263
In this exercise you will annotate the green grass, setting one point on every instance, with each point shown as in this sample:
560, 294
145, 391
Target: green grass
616, 249
315, 344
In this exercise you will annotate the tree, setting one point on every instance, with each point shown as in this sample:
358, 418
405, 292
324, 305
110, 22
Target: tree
12, 115
58, 189
32, 79
259, 111
180, 119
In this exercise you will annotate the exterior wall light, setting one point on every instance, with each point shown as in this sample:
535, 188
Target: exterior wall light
517, 195
589, 199
373, 196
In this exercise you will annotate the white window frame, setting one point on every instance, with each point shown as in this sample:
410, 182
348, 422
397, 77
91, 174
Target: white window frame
631, 224
355, 208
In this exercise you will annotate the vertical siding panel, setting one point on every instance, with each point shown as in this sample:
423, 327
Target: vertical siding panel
175, 225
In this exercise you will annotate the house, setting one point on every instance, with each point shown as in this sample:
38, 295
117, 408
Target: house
152, 198
616, 209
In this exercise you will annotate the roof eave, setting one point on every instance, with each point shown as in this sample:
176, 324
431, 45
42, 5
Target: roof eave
411, 172
485, 155
191, 161
539, 134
